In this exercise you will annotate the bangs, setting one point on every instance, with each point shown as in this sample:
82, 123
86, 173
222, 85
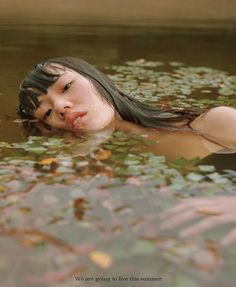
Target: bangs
36, 83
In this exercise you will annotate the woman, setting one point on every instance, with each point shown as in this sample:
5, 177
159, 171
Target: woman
68, 93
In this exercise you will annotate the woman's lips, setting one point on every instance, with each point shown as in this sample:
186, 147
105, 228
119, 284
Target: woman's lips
73, 120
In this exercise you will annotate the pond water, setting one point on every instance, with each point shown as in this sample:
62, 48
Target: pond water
93, 206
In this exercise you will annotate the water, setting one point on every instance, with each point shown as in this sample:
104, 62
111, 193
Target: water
85, 216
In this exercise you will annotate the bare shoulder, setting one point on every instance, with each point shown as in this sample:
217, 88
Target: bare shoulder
222, 111
219, 123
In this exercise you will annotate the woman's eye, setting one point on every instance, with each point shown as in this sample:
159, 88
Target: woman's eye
47, 114
67, 86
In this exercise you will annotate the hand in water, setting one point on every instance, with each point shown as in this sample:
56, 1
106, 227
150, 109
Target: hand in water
210, 213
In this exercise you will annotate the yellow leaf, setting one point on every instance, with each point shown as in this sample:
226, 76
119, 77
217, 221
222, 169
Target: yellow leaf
48, 161
100, 258
2, 188
25, 210
208, 212
103, 154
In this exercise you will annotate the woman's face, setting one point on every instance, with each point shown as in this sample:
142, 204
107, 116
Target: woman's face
72, 103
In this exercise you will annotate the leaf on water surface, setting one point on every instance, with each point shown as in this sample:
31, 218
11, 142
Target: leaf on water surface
206, 91
102, 170
32, 240
25, 210
218, 178
185, 165
3, 188
80, 206
55, 219
47, 164
100, 258
121, 208
176, 64
194, 176
103, 154
5, 145
208, 258
151, 142
48, 161
204, 211
36, 150
206, 168
82, 163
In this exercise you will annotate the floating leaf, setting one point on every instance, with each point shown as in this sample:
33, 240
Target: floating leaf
103, 154
32, 240
204, 211
25, 210
206, 168
80, 206
2, 188
194, 176
48, 161
102, 259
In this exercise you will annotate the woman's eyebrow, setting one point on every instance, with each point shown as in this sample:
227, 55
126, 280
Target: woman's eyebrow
60, 81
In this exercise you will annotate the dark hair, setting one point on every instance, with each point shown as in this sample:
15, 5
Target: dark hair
130, 109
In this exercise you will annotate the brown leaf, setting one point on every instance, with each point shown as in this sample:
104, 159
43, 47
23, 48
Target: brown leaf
208, 212
51, 163
209, 258
104, 171
80, 206
25, 210
103, 154
32, 240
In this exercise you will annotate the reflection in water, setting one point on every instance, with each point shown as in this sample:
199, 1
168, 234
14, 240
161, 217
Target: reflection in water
210, 212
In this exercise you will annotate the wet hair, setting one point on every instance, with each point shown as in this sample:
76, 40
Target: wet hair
129, 108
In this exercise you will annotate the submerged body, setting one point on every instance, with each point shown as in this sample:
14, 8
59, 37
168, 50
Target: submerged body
69, 94
205, 138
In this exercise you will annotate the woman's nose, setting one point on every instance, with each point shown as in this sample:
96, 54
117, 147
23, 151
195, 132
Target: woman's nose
62, 113
62, 110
